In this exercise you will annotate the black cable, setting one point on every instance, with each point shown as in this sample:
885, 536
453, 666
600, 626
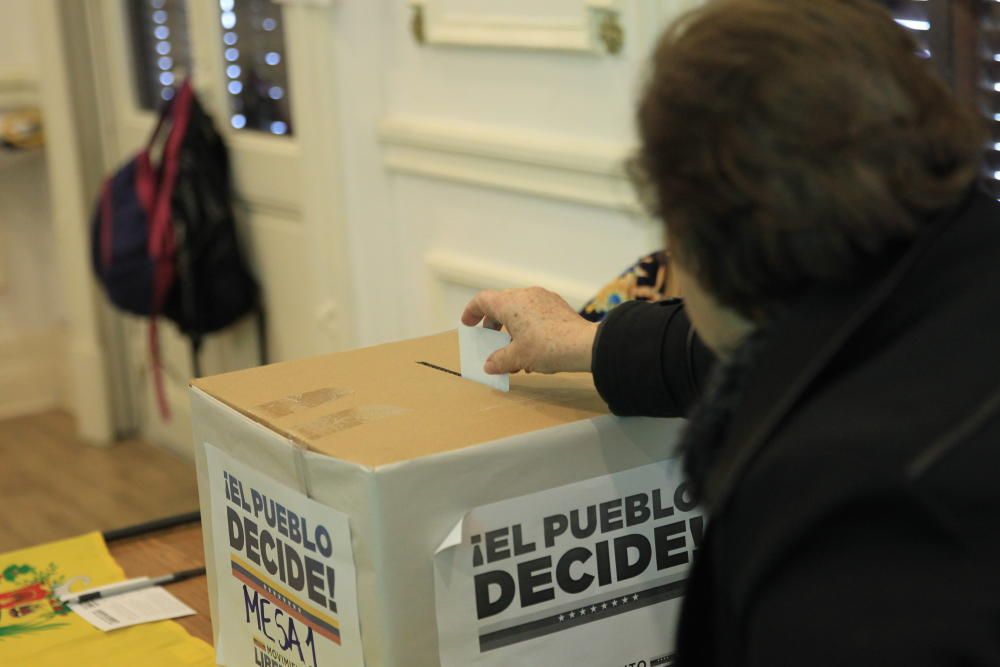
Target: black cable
151, 526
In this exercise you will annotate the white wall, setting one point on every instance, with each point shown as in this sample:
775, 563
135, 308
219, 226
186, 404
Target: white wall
30, 345
17, 48
469, 167
28, 296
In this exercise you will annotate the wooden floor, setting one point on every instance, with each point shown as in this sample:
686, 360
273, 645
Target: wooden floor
54, 486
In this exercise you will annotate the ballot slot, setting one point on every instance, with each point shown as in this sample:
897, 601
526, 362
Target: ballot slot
439, 368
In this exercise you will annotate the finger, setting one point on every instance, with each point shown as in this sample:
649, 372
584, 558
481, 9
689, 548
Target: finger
491, 323
502, 361
478, 308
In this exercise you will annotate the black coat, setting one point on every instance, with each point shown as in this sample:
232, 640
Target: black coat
857, 512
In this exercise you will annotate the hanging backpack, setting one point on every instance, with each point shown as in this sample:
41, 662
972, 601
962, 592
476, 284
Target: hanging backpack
164, 237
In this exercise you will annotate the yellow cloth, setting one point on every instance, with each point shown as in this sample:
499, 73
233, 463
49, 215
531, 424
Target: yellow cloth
36, 630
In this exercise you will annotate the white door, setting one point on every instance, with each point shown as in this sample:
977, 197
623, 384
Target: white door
262, 69
501, 131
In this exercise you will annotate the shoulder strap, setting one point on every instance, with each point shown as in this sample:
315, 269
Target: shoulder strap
161, 231
161, 237
146, 175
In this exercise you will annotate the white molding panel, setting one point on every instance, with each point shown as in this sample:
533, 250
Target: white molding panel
579, 33
447, 267
584, 172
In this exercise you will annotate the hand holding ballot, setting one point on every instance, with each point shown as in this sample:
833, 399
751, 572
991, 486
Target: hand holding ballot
548, 336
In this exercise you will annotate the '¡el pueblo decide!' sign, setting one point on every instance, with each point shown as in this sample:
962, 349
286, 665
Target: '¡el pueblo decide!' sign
284, 573
590, 573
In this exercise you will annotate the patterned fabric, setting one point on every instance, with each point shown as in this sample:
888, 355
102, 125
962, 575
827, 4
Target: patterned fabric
21, 128
646, 280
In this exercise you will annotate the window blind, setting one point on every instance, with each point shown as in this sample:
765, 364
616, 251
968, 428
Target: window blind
914, 15
963, 38
988, 90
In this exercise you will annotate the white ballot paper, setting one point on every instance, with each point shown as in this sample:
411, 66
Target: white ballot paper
475, 345
590, 573
142, 606
284, 573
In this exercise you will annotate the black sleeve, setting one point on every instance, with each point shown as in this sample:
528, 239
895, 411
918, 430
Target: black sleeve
647, 360
876, 585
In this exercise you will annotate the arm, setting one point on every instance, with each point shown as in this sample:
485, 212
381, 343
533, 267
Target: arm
648, 362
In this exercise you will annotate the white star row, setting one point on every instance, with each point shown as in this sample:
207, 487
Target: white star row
282, 598
593, 608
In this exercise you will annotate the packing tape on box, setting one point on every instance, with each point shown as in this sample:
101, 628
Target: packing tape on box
300, 467
345, 419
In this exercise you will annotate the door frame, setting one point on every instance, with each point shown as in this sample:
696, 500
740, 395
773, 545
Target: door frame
74, 159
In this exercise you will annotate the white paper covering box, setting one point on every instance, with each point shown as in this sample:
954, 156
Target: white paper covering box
441, 481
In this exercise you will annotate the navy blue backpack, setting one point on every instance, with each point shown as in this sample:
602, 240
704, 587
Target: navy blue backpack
164, 237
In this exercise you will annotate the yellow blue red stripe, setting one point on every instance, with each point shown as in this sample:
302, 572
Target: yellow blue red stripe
284, 600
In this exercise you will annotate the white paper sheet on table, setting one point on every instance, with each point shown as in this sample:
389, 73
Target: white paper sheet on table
475, 345
145, 605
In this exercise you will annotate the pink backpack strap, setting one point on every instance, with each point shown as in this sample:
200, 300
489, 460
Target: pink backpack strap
145, 183
161, 229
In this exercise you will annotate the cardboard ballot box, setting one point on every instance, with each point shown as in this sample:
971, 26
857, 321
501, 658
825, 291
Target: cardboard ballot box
374, 508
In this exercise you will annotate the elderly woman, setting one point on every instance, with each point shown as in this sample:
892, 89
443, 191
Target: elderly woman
842, 277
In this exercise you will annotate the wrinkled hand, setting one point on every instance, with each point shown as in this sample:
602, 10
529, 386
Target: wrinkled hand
548, 336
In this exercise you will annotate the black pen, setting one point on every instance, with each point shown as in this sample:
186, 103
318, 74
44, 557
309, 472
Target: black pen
134, 585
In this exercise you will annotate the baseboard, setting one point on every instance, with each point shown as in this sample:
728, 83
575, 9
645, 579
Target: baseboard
32, 372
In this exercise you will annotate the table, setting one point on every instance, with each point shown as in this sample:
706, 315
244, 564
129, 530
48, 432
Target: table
166, 551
